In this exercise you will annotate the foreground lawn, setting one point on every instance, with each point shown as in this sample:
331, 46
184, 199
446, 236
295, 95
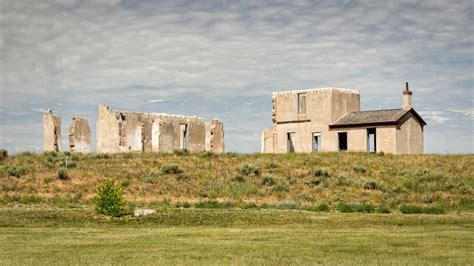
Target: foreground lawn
44, 235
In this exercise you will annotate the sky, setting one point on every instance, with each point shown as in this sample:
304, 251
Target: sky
223, 59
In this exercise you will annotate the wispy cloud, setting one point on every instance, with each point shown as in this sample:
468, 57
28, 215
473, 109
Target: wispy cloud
434, 116
218, 54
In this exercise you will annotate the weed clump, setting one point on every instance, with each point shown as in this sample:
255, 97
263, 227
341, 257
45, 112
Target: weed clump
413, 209
238, 178
16, 171
355, 207
62, 174
369, 184
171, 169
359, 168
247, 169
321, 172
268, 180
181, 152
183, 204
109, 199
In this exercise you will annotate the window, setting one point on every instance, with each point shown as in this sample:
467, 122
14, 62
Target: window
316, 142
342, 136
371, 140
301, 103
183, 141
290, 143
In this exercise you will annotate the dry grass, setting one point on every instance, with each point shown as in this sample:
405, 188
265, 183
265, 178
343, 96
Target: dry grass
308, 179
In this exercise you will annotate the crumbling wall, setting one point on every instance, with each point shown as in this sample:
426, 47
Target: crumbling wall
215, 136
109, 130
157, 132
52, 131
79, 135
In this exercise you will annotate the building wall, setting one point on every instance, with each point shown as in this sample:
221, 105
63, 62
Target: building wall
79, 135
52, 131
386, 139
132, 131
323, 106
409, 136
215, 136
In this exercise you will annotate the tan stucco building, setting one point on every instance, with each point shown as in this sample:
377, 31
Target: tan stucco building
329, 119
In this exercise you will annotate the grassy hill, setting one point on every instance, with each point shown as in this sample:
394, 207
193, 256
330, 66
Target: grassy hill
286, 181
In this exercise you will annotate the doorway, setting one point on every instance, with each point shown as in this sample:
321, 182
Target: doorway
290, 144
342, 136
371, 140
316, 142
183, 143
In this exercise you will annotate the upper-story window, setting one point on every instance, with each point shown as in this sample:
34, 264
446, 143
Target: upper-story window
301, 103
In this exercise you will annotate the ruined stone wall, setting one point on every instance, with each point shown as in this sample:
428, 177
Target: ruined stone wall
157, 132
52, 131
215, 136
79, 135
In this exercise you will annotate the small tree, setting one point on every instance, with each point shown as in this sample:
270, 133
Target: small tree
109, 199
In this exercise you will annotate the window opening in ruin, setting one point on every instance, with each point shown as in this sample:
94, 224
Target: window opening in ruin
316, 142
371, 140
301, 103
291, 141
184, 136
342, 136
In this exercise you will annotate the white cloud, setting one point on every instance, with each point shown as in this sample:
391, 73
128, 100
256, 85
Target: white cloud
469, 112
434, 116
155, 101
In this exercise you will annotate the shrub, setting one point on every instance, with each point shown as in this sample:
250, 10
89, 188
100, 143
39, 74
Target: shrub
3, 154
15, 171
181, 152
413, 209
206, 154
183, 204
150, 178
171, 169
321, 172
313, 182
268, 180
62, 173
323, 207
370, 184
182, 176
354, 207
382, 209
109, 199
281, 187
359, 168
287, 205
213, 204
247, 169
271, 165
238, 178
102, 156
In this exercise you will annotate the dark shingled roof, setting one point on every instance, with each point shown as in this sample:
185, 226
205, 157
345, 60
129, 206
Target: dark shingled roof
373, 118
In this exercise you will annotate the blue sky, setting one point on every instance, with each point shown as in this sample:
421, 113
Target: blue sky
224, 58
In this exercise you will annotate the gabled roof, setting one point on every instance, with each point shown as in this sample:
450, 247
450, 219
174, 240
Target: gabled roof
374, 118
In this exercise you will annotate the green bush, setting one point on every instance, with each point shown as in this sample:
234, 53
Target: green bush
183, 204
3, 154
323, 207
370, 184
321, 172
271, 165
247, 169
213, 204
287, 205
15, 171
238, 178
181, 152
62, 173
109, 199
268, 180
182, 176
313, 181
359, 168
171, 169
382, 209
354, 207
413, 209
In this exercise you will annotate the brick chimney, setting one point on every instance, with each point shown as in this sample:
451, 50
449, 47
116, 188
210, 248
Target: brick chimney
407, 93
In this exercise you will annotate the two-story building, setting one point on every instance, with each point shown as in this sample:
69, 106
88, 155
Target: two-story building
329, 119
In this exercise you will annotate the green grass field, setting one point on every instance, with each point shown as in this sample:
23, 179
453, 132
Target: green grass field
44, 235
253, 209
